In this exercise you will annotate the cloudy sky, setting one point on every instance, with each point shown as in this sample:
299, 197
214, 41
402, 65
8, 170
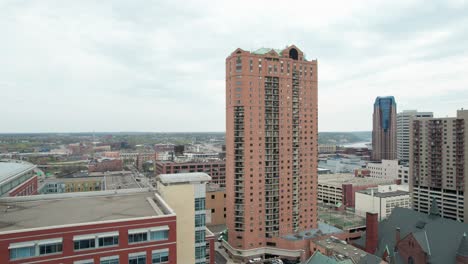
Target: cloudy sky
141, 65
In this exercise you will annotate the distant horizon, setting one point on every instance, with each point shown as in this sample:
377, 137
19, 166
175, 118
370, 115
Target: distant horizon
146, 132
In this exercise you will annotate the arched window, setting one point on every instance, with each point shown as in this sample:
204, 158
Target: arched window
410, 260
293, 54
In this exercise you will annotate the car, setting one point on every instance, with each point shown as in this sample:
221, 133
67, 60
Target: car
277, 261
255, 260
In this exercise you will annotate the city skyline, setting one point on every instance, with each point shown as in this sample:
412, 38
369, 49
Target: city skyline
65, 64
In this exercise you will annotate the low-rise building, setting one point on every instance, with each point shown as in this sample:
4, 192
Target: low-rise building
105, 164
342, 165
340, 189
326, 148
17, 178
145, 157
408, 236
216, 169
339, 251
125, 226
381, 200
79, 184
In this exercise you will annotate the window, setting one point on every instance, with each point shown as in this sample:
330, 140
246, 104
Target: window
200, 252
199, 220
199, 204
110, 260
138, 237
50, 248
199, 236
22, 252
86, 261
160, 256
148, 234
84, 243
108, 241
137, 258
159, 235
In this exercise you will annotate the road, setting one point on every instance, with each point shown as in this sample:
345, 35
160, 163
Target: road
219, 259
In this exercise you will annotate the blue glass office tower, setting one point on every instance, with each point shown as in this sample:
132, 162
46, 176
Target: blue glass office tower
384, 143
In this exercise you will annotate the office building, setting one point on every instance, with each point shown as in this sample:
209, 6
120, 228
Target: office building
17, 178
384, 129
438, 164
339, 189
185, 193
403, 131
388, 169
123, 226
381, 200
271, 148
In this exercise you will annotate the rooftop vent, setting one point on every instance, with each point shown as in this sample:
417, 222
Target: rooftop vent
420, 224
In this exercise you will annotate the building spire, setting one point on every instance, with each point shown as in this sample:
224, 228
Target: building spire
463, 247
434, 208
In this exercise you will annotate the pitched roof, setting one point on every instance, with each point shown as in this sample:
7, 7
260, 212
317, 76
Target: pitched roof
263, 51
421, 237
463, 247
370, 259
434, 208
319, 258
440, 237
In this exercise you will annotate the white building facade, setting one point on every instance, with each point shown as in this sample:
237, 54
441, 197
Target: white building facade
403, 131
381, 200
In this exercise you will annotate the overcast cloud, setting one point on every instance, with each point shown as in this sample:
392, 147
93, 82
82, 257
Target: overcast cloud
141, 65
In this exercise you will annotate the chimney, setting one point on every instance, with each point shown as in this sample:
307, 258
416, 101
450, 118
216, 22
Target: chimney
397, 235
372, 234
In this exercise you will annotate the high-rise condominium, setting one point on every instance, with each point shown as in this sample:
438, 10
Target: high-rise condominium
271, 146
438, 164
403, 131
384, 129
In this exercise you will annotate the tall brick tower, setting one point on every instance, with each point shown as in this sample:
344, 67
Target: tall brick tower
271, 147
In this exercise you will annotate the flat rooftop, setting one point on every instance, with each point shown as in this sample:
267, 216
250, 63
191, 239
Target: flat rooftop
342, 249
184, 177
37, 211
10, 169
338, 179
323, 229
384, 194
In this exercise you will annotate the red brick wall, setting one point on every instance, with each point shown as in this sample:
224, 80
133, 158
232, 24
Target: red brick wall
211, 241
372, 234
28, 187
106, 165
409, 246
69, 255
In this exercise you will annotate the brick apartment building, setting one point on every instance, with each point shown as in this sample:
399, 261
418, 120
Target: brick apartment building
105, 164
271, 150
216, 169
